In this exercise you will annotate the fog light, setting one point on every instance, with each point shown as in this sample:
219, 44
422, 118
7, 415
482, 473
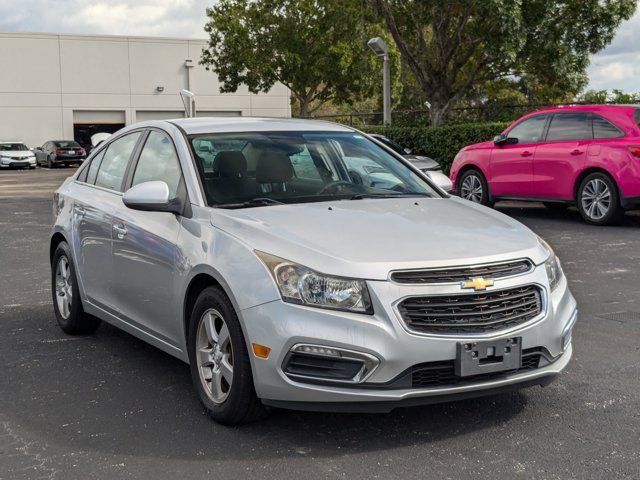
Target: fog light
315, 350
261, 351
320, 363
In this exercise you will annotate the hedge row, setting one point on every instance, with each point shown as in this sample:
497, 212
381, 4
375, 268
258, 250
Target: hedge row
440, 143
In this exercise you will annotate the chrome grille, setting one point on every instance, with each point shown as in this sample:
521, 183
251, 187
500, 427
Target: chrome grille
472, 313
459, 274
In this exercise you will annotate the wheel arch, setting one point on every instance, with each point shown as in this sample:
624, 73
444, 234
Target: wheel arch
202, 278
56, 239
464, 169
588, 171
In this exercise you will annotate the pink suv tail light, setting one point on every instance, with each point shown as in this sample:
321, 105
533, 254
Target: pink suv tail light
635, 151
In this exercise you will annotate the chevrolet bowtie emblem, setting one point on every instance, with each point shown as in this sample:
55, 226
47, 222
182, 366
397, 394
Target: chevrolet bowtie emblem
477, 283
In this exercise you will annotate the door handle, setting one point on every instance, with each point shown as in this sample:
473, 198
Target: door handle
526, 153
121, 231
577, 151
79, 211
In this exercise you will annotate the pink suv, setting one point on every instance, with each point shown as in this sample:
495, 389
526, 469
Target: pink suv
587, 155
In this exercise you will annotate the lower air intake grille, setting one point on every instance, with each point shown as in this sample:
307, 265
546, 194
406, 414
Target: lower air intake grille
472, 313
442, 374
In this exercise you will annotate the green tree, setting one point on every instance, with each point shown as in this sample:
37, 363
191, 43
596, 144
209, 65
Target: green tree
603, 96
455, 46
317, 48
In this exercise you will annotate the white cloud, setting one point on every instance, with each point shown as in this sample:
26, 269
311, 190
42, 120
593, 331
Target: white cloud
618, 65
172, 18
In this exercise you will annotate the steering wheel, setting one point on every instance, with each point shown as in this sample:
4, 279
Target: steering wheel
333, 186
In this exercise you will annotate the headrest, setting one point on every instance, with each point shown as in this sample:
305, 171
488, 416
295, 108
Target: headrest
230, 163
274, 166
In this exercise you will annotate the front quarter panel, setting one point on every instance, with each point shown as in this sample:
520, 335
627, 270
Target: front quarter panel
477, 155
232, 263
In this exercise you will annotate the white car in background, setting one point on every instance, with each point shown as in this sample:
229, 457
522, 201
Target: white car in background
16, 155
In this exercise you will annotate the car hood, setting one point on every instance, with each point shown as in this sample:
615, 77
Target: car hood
479, 146
368, 238
422, 162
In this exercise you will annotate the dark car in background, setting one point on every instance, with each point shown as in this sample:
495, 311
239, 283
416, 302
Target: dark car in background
60, 153
426, 164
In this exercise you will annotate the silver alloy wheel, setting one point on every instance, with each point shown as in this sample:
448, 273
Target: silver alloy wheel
471, 189
214, 355
596, 199
64, 287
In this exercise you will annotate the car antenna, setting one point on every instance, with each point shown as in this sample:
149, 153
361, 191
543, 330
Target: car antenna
189, 102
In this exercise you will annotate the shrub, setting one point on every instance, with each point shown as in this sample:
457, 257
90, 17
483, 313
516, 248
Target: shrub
440, 143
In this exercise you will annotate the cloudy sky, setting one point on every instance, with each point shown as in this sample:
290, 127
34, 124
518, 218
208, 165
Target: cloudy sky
618, 66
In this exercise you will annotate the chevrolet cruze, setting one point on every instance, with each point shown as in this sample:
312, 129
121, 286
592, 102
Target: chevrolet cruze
582, 155
256, 251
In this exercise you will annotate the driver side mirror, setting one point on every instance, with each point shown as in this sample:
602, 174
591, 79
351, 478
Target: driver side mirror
407, 151
151, 197
503, 139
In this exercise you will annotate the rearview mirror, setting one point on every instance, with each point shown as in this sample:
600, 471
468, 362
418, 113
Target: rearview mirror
151, 197
503, 139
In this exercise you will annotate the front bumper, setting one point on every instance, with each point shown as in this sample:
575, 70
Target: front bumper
384, 335
17, 163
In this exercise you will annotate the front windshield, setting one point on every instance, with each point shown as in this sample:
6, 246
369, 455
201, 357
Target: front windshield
263, 168
13, 147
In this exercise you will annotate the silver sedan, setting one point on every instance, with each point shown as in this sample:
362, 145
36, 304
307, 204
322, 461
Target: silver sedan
301, 264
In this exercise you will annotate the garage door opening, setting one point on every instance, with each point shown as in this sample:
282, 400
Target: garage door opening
87, 123
82, 133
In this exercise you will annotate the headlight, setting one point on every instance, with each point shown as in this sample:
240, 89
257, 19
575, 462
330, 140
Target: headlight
303, 286
552, 265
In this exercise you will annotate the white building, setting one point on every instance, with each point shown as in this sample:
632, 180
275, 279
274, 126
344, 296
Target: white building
71, 86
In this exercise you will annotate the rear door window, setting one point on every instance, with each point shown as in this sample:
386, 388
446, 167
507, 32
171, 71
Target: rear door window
603, 128
569, 126
529, 130
114, 162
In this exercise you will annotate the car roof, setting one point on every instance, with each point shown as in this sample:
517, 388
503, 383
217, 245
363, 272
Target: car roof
202, 125
9, 141
586, 108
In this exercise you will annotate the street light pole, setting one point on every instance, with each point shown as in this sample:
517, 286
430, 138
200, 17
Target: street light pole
386, 90
381, 49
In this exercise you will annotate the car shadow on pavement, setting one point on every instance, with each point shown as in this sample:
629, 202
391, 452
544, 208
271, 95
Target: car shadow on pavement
524, 210
114, 394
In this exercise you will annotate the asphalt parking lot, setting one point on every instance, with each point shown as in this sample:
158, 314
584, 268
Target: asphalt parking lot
111, 406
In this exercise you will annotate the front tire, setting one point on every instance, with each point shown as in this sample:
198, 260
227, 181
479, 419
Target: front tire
49, 162
598, 200
219, 361
66, 295
473, 187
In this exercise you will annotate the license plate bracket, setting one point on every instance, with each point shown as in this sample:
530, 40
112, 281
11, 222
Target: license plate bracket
488, 356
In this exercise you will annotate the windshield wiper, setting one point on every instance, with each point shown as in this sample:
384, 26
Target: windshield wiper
254, 202
361, 196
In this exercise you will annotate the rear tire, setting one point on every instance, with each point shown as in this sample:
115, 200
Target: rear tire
598, 200
473, 186
219, 361
66, 295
